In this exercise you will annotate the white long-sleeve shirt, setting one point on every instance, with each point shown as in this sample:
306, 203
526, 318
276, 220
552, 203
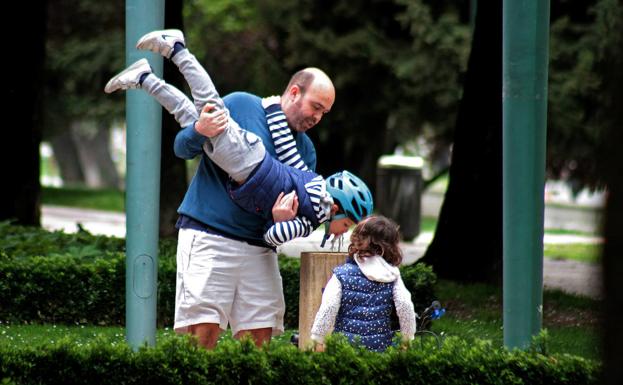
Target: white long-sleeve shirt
376, 269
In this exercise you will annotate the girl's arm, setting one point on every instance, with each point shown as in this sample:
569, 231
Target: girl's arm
325, 318
404, 309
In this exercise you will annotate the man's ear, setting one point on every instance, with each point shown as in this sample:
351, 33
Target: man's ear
334, 209
294, 91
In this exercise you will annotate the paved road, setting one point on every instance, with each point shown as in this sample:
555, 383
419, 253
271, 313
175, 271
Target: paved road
570, 276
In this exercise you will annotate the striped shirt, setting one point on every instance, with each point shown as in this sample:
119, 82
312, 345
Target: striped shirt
287, 153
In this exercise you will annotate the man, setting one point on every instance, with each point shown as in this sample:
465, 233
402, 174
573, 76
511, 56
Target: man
226, 274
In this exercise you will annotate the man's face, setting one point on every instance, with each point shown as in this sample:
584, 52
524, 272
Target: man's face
304, 110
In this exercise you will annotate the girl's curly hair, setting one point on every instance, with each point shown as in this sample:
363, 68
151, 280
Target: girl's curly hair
383, 236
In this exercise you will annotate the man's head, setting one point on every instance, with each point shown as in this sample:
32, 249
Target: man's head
309, 95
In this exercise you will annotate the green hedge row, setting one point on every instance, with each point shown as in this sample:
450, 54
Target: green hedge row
176, 360
80, 278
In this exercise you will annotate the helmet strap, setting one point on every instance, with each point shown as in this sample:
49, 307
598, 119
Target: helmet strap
327, 226
326, 236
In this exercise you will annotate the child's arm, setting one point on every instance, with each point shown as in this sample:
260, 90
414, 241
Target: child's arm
282, 232
325, 318
404, 310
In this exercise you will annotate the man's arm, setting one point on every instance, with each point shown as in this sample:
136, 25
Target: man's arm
307, 150
285, 207
188, 143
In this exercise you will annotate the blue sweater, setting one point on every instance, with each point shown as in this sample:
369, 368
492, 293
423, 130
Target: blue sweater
207, 199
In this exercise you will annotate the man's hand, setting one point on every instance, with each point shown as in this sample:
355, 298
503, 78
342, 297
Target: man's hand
285, 207
211, 121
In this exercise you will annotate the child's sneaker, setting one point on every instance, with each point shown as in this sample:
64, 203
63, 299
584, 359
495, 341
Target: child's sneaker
129, 77
161, 42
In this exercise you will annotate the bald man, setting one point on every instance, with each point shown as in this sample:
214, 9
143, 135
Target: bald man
227, 275
309, 95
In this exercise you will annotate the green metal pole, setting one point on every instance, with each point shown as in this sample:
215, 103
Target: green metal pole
473, 7
524, 99
144, 122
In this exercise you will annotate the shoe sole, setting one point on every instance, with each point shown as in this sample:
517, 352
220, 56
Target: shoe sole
163, 49
112, 87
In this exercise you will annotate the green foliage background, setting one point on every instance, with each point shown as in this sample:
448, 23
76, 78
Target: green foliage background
397, 66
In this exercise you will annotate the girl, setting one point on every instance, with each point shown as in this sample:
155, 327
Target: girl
361, 294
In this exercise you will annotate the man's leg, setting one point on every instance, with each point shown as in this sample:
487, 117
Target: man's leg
207, 334
259, 305
260, 336
205, 285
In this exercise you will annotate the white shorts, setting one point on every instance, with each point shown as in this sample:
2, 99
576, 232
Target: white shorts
221, 281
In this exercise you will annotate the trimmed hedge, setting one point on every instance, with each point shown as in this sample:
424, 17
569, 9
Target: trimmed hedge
177, 360
52, 277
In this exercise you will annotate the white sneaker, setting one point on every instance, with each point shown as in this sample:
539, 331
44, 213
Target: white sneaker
129, 77
161, 42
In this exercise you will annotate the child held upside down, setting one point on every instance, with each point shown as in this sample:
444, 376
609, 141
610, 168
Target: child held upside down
360, 295
259, 180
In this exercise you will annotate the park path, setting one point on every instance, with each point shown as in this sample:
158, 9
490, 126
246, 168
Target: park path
570, 276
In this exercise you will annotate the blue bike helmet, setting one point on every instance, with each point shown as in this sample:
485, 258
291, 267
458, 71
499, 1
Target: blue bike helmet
352, 194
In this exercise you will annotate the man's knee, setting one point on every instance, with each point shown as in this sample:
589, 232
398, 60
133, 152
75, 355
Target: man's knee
260, 336
207, 334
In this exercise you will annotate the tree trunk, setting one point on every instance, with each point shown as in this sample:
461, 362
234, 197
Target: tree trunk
467, 245
173, 182
612, 261
66, 155
93, 143
22, 133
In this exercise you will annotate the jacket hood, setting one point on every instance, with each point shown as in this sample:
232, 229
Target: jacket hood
375, 268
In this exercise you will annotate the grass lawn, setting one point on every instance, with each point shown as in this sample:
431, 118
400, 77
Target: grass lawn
475, 311
105, 199
38, 335
583, 252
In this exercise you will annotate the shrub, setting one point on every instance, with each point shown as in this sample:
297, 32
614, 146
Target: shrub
178, 360
67, 279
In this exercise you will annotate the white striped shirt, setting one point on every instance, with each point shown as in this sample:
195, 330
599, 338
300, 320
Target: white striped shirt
287, 153
285, 145
282, 232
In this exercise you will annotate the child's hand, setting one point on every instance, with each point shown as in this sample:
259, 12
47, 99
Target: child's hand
285, 207
211, 121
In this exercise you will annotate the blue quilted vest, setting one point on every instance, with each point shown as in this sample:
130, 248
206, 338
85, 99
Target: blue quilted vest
259, 192
366, 307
